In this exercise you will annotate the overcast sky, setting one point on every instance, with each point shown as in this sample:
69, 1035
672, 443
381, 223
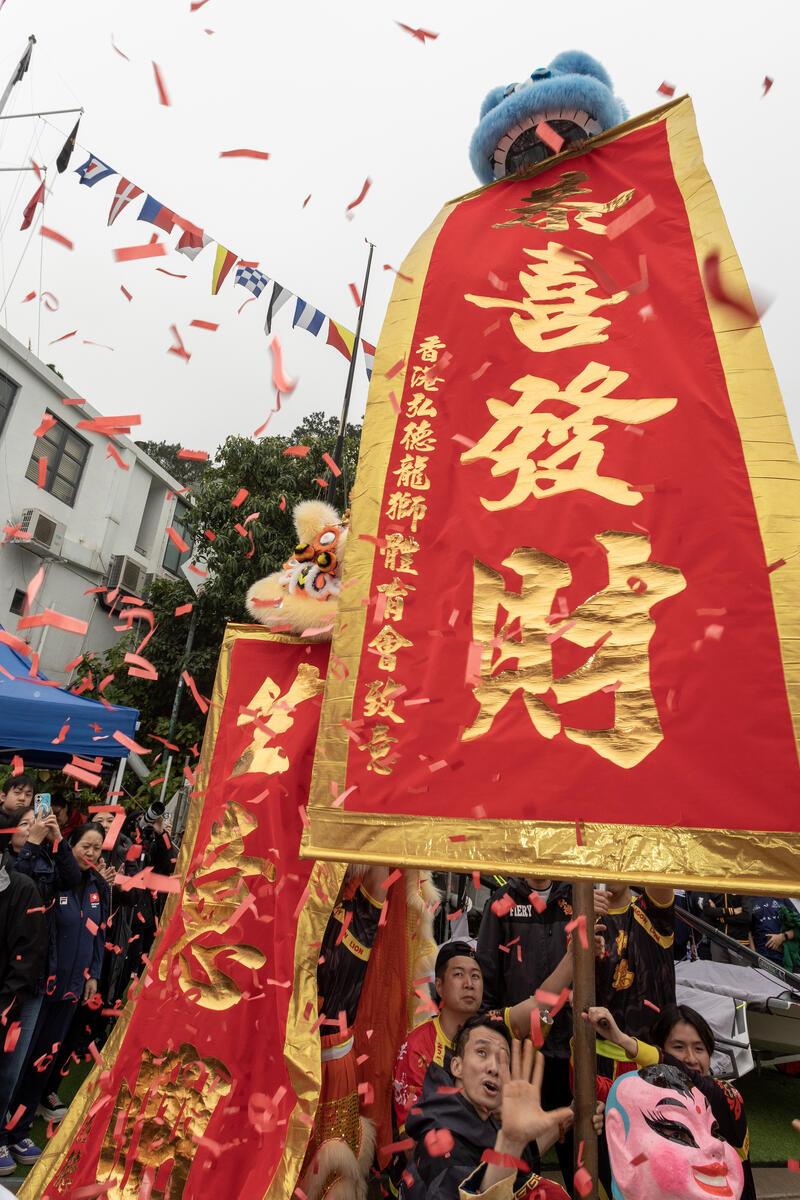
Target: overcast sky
334, 93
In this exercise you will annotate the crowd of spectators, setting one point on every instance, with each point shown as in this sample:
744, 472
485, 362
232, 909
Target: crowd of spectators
455, 1069
71, 941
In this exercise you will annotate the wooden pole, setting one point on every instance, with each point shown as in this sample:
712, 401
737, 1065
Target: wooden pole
584, 1052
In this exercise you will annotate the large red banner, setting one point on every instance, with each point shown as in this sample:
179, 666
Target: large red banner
566, 632
194, 1095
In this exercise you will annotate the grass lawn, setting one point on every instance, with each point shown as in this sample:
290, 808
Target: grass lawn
772, 1100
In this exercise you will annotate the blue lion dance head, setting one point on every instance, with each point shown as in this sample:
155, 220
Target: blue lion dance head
574, 95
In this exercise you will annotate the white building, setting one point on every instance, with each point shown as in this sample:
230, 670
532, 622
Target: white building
93, 523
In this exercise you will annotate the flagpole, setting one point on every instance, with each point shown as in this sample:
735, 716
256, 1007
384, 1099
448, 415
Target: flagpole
338, 450
45, 112
19, 71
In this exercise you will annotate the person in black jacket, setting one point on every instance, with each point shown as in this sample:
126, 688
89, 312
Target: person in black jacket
731, 915
529, 917
47, 860
453, 1128
75, 961
16, 794
23, 954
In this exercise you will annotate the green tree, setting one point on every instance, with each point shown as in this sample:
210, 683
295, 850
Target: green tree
235, 546
189, 471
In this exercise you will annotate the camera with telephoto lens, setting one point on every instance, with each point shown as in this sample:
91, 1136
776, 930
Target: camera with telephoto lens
154, 812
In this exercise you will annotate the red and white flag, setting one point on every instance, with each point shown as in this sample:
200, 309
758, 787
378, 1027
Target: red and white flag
126, 191
192, 240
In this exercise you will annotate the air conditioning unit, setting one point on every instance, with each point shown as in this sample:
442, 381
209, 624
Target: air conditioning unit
47, 535
127, 575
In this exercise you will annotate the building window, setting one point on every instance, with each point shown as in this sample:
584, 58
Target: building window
173, 557
66, 453
8, 390
17, 602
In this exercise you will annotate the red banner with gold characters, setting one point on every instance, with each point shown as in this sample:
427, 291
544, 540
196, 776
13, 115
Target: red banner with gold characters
568, 634
194, 1097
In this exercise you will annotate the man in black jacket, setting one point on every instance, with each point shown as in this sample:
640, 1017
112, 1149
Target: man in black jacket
523, 937
453, 1127
16, 794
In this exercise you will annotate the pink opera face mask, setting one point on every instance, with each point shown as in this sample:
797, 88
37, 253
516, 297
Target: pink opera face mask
664, 1141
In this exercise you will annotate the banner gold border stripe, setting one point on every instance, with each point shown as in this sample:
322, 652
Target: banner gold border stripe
758, 860
767, 445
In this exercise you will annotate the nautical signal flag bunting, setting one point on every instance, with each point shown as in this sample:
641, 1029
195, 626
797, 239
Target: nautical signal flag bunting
571, 569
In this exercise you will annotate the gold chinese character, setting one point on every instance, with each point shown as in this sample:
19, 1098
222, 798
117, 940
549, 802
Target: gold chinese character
153, 1131
422, 377
398, 553
411, 472
272, 714
213, 894
419, 436
557, 311
395, 593
380, 748
387, 643
549, 207
420, 405
571, 455
404, 505
429, 347
380, 699
615, 625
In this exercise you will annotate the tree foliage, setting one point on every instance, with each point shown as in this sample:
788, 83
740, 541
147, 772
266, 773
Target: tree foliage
235, 546
188, 471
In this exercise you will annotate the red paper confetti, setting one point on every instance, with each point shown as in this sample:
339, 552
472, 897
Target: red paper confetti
179, 347
331, 465
190, 683
420, 35
243, 154
54, 619
399, 274
396, 369
439, 1142
63, 338
54, 236
548, 135
117, 49
213, 326
583, 1181
280, 380
163, 98
359, 198
41, 472
308, 197
354, 292
296, 451
630, 217
666, 89
172, 274
153, 249
239, 498
32, 590
766, 85
111, 452
712, 277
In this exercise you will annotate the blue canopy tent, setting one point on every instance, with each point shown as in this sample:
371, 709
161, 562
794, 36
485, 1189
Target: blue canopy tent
33, 712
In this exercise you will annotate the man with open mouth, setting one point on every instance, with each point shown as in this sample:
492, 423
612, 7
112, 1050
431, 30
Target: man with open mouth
453, 1126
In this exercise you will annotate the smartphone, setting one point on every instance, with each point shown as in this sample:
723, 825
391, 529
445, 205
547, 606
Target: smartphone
41, 805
